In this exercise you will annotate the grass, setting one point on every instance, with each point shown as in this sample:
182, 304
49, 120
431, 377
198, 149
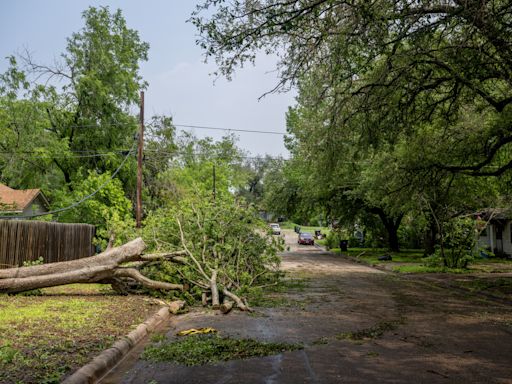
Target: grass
209, 349
374, 332
412, 261
46, 337
371, 256
371, 333
491, 265
305, 228
426, 269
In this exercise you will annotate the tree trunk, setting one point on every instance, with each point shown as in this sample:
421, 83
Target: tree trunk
226, 306
239, 302
103, 268
393, 238
391, 224
430, 239
215, 290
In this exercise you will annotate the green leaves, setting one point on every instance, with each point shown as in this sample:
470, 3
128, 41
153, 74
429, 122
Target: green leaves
220, 234
109, 210
52, 116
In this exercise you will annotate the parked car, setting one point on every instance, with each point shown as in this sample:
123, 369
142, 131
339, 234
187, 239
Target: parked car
306, 238
276, 229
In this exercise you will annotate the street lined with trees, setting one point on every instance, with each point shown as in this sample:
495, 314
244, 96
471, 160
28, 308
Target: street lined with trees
403, 108
400, 137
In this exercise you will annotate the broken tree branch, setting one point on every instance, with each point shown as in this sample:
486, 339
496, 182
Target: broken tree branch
239, 303
153, 284
103, 268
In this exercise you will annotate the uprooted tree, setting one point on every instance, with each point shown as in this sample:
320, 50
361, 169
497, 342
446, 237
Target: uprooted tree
106, 267
213, 251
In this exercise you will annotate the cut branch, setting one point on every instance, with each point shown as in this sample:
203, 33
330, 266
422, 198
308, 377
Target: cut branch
239, 303
215, 290
153, 284
113, 257
162, 256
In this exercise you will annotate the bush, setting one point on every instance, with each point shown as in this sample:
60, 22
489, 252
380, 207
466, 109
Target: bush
109, 209
459, 243
332, 239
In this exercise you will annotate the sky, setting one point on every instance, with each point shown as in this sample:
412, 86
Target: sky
180, 83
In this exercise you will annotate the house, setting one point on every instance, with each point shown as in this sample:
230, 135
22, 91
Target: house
22, 202
497, 235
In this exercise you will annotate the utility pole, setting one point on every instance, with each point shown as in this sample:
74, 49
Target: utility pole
214, 191
138, 211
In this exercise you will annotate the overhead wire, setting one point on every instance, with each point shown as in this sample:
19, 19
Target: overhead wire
91, 153
148, 153
149, 123
229, 129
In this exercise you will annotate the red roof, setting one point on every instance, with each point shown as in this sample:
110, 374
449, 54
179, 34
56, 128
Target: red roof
12, 200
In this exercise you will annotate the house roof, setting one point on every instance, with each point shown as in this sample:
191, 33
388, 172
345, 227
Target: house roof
16, 200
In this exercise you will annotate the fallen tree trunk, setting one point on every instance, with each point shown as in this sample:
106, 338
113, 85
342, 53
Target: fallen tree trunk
105, 267
130, 251
226, 306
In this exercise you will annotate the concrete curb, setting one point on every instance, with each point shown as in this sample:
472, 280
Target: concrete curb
106, 360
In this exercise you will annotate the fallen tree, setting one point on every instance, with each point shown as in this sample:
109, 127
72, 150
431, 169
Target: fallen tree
107, 267
229, 253
225, 252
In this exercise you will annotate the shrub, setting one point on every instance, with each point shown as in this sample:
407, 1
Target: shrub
458, 243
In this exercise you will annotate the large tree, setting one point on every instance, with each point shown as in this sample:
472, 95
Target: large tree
405, 61
78, 108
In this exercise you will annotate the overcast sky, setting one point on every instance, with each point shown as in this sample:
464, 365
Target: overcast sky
179, 81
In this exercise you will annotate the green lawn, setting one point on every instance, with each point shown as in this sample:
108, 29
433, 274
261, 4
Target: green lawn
304, 228
46, 337
412, 261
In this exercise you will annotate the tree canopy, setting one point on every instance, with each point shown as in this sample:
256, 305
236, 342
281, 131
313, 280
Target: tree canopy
390, 65
404, 107
73, 113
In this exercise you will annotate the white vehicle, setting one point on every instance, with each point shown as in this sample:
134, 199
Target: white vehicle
276, 229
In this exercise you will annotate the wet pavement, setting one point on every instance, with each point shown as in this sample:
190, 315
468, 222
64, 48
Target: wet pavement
429, 334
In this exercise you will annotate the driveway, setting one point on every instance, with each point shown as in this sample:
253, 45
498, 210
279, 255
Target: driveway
358, 325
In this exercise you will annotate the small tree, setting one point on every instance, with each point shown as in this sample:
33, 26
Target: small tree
228, 249
457, 242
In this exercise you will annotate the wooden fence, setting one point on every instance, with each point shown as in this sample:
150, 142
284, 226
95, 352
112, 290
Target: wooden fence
28, 240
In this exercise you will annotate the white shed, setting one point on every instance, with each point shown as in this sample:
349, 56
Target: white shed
497, 236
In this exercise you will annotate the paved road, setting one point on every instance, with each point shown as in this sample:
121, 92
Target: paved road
416, 332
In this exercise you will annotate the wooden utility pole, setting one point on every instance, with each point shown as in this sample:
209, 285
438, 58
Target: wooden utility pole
138, 212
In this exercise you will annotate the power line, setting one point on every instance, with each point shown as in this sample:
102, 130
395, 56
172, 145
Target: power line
229, 129
72, 154
50, 157
81, 200
134, 125
70, 150
150, 153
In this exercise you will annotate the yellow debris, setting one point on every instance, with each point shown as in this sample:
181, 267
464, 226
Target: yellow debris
196, 331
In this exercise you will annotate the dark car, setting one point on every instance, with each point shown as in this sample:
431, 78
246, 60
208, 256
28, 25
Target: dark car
306, 238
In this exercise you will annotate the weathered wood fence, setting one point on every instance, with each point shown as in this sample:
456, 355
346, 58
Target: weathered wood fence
28, 240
